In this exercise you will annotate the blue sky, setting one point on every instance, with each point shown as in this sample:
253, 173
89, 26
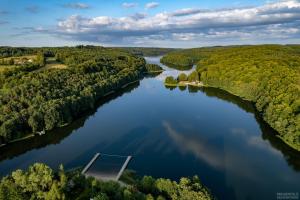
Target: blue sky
166, 23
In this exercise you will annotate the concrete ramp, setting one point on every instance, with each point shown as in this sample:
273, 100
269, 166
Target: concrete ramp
106, 167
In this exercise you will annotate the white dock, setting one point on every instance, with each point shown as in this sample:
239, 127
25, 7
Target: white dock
106, 167
90, 163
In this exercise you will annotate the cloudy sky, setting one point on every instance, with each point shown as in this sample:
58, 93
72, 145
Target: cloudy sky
165, 23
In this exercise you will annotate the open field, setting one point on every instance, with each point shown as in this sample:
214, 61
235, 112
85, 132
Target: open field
51, 63
3, 67
21, 57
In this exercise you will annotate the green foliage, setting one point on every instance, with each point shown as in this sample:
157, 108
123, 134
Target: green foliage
177, 61
32, 100
146, 51
268, 75
38, 182
40, 59
101, 196
170, 80
193, 77
167, 189
10, 191
11, 51
147, 184
41, 182
153, 68
182, 77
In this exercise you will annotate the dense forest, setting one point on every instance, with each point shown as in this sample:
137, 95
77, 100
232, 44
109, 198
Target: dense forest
153, 68
41, 182
146, 51
181, 59
34, 97
268, 75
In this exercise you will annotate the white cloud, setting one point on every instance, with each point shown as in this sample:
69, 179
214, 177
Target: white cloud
151, 5
187, 11
279, 20
138, 16
129, 5
76, 5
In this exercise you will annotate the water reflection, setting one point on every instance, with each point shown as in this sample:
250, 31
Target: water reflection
56, 136
198, 147
167, 71
239, 167
291, 156
269, 134
174, 132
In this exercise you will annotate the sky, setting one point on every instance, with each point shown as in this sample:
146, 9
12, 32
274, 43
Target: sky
158, 23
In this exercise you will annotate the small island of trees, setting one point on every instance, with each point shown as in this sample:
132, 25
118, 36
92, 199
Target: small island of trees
153, 68
192, 79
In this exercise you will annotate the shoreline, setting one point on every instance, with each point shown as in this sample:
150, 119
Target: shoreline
200, 84
183, 83
186, 83
31, 135
153, 72
18, 140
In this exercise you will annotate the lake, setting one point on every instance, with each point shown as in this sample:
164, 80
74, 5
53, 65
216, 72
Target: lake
173, 132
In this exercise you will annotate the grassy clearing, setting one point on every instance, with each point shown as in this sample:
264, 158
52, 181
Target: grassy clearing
51, 63
20, 57
4, 67
13, 61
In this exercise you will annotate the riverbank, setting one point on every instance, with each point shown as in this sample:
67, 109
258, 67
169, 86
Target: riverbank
255, 74
294, 146
154, 72
18, 140
30, 135
186, 83
200, 84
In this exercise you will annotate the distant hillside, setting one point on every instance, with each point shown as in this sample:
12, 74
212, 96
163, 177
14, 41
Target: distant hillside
268, 75
147, 51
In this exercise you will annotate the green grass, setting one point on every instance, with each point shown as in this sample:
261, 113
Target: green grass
51, 63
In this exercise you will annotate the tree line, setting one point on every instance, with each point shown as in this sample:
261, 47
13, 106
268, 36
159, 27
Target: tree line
182, 77
268, 75
32, 101
41, 182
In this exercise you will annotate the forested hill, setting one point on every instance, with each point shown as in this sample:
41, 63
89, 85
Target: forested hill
44, 88
146, 51
268, 75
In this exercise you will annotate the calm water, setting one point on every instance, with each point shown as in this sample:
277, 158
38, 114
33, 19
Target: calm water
173, 133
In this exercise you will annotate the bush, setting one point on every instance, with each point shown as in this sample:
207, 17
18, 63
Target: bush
193, 77
153, 68
182, 77
170, 80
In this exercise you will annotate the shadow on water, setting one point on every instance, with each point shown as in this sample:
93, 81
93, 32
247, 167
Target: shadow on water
57, 135
268, 133
291, 156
